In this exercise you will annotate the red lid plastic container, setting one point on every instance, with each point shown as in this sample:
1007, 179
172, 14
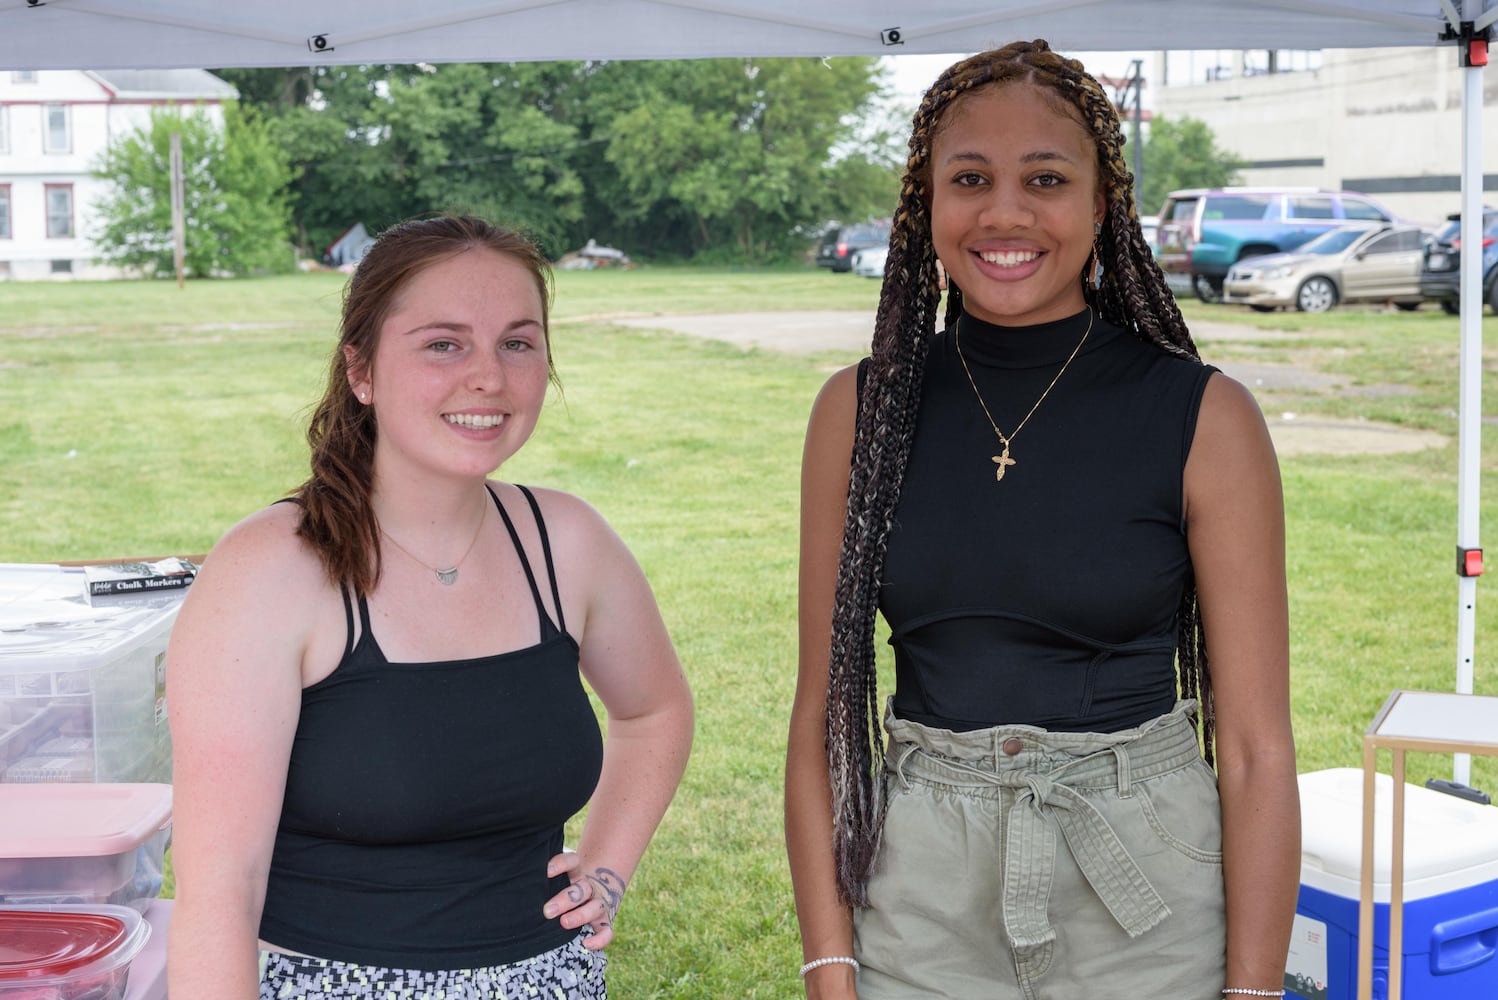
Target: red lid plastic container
68, 952
83, 843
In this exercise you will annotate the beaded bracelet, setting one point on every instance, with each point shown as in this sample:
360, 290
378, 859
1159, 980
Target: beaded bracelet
1253, 993
817, 963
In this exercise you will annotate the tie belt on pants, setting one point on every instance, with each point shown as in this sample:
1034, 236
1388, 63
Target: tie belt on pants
1048, 772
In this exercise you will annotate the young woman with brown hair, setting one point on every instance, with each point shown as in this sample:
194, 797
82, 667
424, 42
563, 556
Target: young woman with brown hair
376, 691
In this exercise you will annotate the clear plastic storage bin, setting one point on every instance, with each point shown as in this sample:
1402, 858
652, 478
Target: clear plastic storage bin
82, 686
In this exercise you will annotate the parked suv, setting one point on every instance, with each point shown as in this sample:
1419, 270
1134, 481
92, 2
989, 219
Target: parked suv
1440, 276
1204, 232
841, 242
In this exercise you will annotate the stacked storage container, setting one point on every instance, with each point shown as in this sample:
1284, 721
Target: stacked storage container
85, 803
82, 686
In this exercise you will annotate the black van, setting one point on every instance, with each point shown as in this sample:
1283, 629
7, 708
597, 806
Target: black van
840, 242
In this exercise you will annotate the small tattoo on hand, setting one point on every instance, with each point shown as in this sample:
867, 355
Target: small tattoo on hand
609, 887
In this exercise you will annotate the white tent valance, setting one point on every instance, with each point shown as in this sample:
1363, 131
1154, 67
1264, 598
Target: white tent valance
108, 34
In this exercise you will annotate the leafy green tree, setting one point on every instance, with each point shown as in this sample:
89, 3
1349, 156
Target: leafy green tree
1183, 154
490, 139
234, 196
279, 89
745, 155
331, 123
730, 159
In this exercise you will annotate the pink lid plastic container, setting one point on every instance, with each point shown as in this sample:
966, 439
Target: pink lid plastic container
68, 843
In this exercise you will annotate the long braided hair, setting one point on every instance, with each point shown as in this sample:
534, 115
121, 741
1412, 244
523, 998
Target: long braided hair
1132, 294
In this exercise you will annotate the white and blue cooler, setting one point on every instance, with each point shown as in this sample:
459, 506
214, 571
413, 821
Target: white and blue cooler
1450, 949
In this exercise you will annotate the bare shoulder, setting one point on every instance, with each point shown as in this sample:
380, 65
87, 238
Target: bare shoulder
1232, 458
567, 515
838, 398
587, 550
265, 542
834, 416
1227, 399
1229, 425
263, 603
261, 567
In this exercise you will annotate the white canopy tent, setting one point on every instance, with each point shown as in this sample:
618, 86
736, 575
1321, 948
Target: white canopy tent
107, 34
144, 34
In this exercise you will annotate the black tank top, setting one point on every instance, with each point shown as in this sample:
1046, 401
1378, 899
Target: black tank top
1048, 598
423, 801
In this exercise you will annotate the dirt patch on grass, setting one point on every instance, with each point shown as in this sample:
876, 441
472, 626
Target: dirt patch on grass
1299, 434
1294, 434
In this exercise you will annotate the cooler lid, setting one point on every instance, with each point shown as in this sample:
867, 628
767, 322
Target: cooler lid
78, 819
36, 943
1449, 843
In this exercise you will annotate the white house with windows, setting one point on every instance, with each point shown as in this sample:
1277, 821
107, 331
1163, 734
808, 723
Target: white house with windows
54, 126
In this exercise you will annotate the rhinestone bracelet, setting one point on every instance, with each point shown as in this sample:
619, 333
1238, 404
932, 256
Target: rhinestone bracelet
817, 963
1254, 993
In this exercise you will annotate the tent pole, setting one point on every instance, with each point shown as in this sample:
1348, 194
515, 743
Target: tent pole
1469, 440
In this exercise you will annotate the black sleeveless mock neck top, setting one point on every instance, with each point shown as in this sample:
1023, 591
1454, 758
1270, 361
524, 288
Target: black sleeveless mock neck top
423, 801
1050, 597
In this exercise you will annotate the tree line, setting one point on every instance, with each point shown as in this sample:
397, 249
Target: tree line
714, 160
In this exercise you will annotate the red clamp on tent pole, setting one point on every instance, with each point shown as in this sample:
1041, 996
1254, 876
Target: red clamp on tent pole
1468, 562
1472, 44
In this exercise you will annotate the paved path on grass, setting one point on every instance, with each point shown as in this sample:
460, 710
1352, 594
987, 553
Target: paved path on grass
815, 332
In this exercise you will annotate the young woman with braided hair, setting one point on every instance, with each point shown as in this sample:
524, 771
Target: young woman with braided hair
1074, 530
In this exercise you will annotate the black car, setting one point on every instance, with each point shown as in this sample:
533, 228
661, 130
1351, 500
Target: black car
841, 242
1440, 275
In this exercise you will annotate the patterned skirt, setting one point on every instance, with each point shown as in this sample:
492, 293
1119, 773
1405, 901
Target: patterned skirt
570, 972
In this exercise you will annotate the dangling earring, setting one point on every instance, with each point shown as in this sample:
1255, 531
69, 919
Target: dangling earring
1091, 278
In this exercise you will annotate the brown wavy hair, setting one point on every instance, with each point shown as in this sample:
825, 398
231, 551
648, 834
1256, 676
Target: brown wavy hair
1131, 294
337, 518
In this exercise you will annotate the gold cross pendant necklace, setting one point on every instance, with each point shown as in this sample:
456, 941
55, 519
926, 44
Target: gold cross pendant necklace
1003, 459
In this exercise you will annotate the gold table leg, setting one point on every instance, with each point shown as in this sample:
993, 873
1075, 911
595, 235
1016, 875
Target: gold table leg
1365, 894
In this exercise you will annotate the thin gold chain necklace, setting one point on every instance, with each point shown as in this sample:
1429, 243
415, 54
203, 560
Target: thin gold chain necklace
449, 576
1003, 459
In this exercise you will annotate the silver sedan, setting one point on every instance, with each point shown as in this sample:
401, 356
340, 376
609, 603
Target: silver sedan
1347, 264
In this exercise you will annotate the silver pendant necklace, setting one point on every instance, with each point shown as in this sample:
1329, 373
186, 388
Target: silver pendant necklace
448, 576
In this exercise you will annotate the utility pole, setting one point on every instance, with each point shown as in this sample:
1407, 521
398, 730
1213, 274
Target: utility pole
1134, 87
1128, 99
178, 235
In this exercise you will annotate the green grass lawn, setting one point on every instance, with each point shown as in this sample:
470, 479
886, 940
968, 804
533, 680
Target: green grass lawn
140, 419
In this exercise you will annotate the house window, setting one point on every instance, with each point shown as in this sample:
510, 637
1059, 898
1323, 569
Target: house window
59, 211
62, 267
23, 76
55, 124
4, 211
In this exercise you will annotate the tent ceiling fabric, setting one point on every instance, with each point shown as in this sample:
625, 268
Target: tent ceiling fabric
145, 34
